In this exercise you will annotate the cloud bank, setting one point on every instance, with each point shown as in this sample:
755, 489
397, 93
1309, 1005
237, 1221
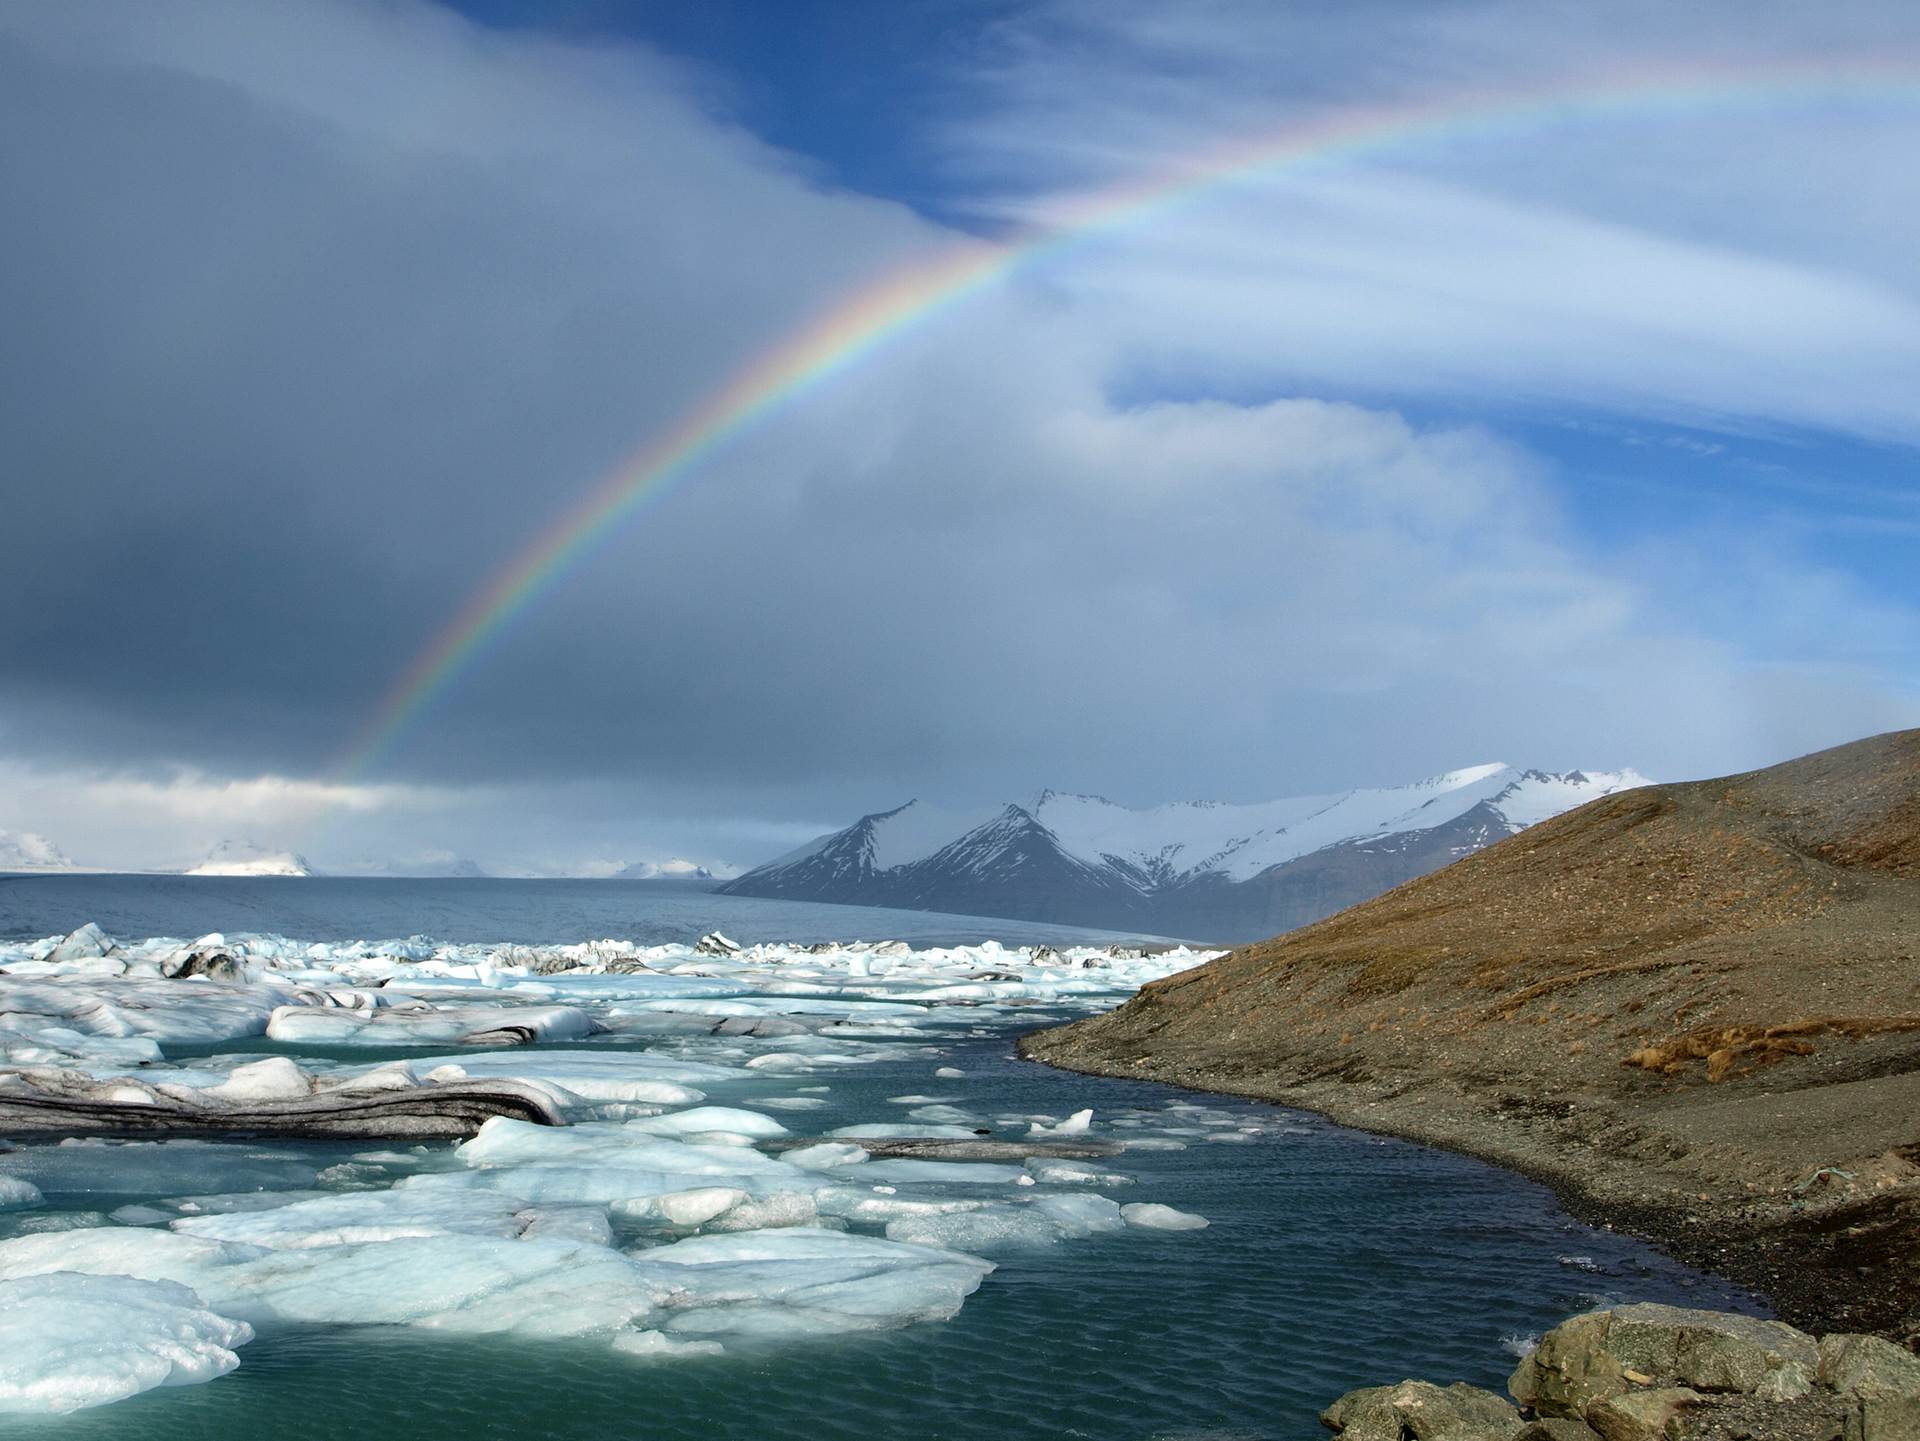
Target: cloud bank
325, 309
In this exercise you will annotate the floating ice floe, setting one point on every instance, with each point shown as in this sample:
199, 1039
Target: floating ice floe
19, 1195
665, 1192
426, 1025
1154, 1216
73, 1340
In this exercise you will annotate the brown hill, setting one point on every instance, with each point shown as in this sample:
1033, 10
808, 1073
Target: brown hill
1694, 1008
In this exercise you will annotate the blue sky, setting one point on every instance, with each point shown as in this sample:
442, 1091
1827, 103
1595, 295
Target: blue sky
860, 88
1564, 443
852, 85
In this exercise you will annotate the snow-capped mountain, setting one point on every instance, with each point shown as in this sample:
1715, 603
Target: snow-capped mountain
244, 858
25, 851
673, 870
1203, 869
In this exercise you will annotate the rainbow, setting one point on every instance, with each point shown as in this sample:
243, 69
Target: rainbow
850, 331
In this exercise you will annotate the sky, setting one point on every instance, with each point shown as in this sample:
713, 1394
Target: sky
1584, 437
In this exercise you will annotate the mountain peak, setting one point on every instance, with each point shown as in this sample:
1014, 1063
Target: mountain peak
26, 851
245, 858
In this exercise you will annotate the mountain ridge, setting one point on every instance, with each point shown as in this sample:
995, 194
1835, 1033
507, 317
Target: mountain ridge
1211, 870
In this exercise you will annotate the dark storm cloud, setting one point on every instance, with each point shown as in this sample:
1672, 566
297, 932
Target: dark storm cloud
277, 394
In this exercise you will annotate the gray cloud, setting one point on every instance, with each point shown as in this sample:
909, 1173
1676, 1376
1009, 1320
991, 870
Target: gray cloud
324, 310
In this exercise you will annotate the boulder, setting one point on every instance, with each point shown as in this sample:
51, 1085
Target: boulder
1424, 1411
1570, 1368
1556, 1428
1877, 1382
1883, 1418
1604, 1354
1857, 1366
1642, 1414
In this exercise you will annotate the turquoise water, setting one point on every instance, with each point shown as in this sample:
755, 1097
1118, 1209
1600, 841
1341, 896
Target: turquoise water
1334, 1259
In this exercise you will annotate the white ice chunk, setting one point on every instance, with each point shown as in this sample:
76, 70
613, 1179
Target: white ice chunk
884, 1203
1154, 1216
1078, 1214
809, 1282
454, 1282
710, 1118
598, 1077
944, 1115
567, 1223
825, 1156
657, 1345
503, 1141
1075, 1125
783, 1208
73, 1340
274, 1079
1072, 1173
688, 1208
990, 1228
397, 1026
358, 1216
19, 1195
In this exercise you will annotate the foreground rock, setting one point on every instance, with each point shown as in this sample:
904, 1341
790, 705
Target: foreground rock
1693, 1009
1424, 1411
1661, 1373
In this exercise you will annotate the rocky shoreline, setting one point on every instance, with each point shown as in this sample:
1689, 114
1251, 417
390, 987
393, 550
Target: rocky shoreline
1661, 1373
1834, 1258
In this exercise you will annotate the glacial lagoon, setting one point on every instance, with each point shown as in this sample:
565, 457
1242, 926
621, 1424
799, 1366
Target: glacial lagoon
707, 1250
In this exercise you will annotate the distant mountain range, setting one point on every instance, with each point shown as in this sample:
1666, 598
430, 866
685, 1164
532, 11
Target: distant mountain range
674, 870
25, 851
244, 858
1205, 870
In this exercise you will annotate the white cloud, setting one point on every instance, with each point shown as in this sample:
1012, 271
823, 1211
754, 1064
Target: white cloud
105, 818
1712, 253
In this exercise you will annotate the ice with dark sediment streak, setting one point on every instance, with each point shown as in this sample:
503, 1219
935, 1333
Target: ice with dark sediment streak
672, 1195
